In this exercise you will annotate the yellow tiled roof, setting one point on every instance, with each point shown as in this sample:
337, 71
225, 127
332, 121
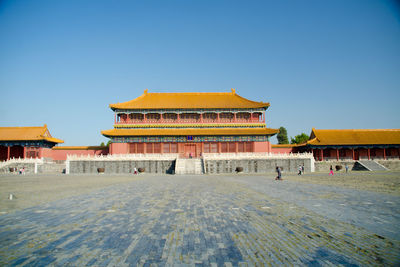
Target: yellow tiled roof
27, 134
354, 137
189, 101
189, 131
79, 147
284, 145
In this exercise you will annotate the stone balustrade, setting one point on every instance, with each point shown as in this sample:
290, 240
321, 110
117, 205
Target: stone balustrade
122, 157
255, 155
21, 161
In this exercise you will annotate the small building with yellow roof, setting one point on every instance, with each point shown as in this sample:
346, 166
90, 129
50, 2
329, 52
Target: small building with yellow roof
352, 144
26, 142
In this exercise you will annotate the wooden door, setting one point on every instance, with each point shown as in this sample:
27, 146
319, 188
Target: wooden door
190, 150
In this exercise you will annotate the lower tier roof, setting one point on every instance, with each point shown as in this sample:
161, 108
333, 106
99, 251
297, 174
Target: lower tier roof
189, 131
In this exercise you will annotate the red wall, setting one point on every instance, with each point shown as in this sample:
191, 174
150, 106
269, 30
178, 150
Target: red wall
46, 152
262, 147
61, 154
119, 148
281, 150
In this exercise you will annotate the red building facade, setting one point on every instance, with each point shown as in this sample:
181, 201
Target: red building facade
189, 124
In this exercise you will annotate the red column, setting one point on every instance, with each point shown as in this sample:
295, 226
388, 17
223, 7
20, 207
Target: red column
234, 117
236, 147
8, 153
384, 153
178, 118
219, 147
161, 117
337, 154
353, 154
144, 117
369, 154
201, 117
322, 154
217, 117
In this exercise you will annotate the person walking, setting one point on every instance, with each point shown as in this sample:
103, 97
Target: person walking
300, 170
346, 167
331, 170
278, 170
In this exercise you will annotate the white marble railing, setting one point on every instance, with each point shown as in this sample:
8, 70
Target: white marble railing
122, 157
20, 160
254, 155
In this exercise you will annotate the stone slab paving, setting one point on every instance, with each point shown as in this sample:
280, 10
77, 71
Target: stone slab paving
202, 221
378, 213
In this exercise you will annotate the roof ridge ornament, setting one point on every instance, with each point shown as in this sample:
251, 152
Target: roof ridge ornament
145, 91
233, 91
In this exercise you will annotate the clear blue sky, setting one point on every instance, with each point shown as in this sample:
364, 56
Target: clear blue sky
324, 64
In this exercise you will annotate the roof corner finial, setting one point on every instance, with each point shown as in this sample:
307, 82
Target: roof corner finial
45, 125
233, 90
146, 90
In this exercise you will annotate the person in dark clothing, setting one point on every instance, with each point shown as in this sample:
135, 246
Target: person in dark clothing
278, 170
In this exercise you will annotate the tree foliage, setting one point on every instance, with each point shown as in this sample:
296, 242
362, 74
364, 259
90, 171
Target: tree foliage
102, 144
282, 136
299, 139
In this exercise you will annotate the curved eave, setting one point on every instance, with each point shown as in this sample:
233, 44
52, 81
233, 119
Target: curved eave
47, 139
54, 140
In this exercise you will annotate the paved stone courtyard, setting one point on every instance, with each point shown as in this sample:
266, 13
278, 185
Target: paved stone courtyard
206, 221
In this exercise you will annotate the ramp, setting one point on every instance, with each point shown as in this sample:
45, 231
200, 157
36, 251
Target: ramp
369, 165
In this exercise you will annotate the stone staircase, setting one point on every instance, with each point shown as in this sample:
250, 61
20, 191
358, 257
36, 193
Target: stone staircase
189, 166
369, 165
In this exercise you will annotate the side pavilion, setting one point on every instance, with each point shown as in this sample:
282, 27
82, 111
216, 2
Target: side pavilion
353, 144
26, 142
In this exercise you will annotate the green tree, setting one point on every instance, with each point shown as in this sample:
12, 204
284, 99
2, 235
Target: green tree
282, 136
299, 139
102, 144
108, 143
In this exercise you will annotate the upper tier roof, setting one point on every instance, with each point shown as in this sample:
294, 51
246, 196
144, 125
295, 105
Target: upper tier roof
189, 101
354, 137
27, 134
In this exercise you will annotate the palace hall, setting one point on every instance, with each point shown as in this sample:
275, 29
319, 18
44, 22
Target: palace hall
189, 124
